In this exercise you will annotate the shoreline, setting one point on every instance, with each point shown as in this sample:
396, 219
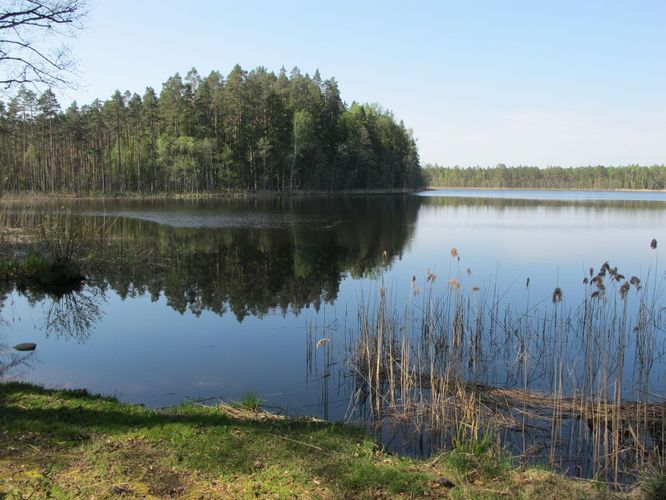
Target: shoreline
37, 197
68, 443
20, 197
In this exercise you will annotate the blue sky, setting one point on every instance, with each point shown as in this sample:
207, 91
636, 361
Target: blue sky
480, 82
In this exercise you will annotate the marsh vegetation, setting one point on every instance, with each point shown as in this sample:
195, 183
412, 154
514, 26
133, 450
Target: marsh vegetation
568, 386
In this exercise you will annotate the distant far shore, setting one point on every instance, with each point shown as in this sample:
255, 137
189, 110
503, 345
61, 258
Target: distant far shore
628, 178
436, 188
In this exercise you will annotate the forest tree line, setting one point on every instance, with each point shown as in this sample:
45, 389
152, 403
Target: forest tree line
592, 177
247, 131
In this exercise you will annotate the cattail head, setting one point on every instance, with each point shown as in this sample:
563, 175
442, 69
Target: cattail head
598, 281
591, 272
624, 289
431, 277
527, 283
475, 288
653, 244
469, 272
635, 280
454, 283
322, 341
585, 280
454, 252
557, 295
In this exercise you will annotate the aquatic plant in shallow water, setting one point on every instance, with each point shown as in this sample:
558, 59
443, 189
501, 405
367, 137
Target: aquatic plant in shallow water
251, 401
572, 387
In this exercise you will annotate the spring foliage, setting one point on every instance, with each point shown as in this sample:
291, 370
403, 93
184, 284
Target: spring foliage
253, 130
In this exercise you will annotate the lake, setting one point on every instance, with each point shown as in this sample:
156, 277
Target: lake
231, 296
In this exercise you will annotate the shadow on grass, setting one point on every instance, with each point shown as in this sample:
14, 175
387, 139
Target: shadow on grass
200, 438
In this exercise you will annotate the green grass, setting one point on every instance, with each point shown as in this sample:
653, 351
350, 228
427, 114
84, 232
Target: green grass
251, 401
35, 265
478, 455
7, 268
71, 444
653, 485
35, 270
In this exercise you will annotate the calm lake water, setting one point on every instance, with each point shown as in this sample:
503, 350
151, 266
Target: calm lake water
237, 291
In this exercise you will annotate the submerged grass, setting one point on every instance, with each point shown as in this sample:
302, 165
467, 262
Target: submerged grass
64, 444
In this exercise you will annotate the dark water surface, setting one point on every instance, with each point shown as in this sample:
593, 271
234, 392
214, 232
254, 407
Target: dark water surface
236, 291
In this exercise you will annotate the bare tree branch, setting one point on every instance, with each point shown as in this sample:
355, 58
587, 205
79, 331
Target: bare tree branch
31, 41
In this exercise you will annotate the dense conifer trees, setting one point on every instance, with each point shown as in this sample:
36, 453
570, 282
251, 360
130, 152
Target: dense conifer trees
249, 131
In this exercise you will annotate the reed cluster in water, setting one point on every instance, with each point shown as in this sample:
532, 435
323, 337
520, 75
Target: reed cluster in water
575, 387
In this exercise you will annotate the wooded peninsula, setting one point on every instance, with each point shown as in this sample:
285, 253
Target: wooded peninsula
248, 131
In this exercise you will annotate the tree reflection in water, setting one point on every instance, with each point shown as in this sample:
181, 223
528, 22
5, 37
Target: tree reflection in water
244, 257
73, 315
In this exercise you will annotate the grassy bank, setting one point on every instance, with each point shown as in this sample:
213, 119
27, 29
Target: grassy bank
72, 444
